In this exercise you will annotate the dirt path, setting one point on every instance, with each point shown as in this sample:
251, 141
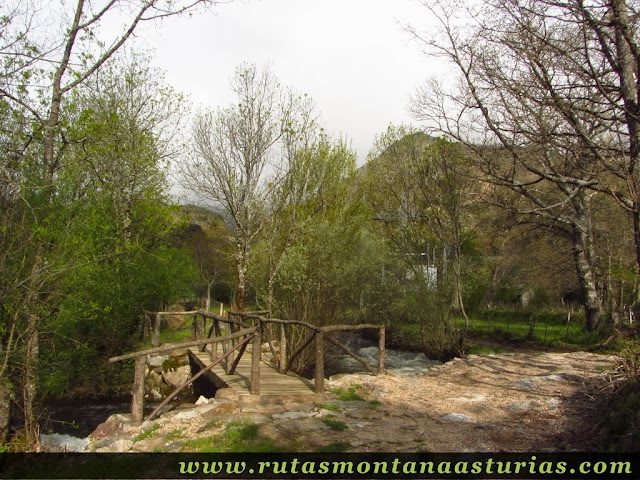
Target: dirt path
501, 402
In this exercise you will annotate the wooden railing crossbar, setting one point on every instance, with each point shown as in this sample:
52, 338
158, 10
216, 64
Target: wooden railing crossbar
241, 346
176, 346
229, 347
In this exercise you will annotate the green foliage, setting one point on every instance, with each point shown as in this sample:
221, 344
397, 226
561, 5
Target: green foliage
335, 447
146, 433
542, 327
237, 437
329, 406
119, 255
334, 424
348, 395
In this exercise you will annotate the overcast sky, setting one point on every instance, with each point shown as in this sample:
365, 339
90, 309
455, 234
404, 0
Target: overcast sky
353, 57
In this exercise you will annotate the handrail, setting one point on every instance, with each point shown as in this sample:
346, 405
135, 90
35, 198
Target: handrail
319, 334
175, 346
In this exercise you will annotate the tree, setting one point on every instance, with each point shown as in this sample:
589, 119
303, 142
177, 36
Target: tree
242, 154
420, 190
116, 253
313, 183
209, 241
525, 115
39, 71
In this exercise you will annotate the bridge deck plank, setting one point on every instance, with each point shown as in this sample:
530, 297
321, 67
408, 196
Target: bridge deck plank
271, 381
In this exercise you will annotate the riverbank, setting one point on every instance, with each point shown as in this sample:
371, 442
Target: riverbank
502, 402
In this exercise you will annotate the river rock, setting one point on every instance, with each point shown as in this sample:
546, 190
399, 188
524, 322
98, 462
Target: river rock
156, 360
302, 425
456, 417
177, 376
291, 415
115, 445
116, 423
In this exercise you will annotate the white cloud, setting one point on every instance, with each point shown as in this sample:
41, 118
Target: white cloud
352, 56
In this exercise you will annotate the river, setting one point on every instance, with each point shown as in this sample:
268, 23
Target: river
66, 426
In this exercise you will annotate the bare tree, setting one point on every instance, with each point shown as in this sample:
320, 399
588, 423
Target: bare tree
529, 120
242, 154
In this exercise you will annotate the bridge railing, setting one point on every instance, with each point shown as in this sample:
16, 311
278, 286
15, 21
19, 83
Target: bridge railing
319, 334
241, 329
137, 391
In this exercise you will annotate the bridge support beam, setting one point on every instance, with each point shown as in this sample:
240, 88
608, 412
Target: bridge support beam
137, 392
381, 343
256, 354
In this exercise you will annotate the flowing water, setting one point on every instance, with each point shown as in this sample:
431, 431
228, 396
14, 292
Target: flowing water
68, 425
395, 361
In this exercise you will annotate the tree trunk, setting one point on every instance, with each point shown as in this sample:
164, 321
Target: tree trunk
242, 257
457, 271
29, 377
582, 251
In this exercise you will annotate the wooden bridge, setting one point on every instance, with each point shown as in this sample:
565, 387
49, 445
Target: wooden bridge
232, 352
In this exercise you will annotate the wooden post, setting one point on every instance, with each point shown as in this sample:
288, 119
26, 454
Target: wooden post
137, 392
381, 351
155, 336
283, 348
319, 383
256, 354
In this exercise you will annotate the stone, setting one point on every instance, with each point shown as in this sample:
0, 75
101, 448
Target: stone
255, 418
220, 412
470, 398
523, 406
264, 409
302, 425
553, 403
270, 432
290, 415
524, 384
150, 444
114, 424
186, 415
178, 376
117, 445
365, 414
156, 360
202, 400
456, 417
227, 394
301, 407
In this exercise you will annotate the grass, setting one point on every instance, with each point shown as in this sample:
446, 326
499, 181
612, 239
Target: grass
146, 434
174, 435
332, 407
335, 447
349, 395
238, 437
337, 425
544, 327
373, 404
